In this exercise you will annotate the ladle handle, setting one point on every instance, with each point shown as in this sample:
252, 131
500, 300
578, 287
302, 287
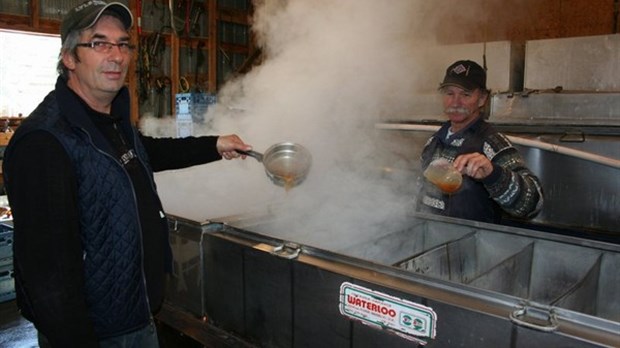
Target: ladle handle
257, 155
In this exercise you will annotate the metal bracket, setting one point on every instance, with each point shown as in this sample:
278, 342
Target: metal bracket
535, 318
288, 250
573, 137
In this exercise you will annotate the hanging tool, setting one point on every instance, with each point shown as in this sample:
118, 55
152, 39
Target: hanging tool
200, 59
156, 46
226, 58
139, 16
163, 89
188, 9
144, 69
190, 54
175, 8
184, 85
195, 26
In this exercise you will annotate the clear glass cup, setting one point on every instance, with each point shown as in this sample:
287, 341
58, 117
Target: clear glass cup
442, 174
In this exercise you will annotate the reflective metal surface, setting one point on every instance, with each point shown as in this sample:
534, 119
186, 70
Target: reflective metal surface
547, 108
582, 196
489, 285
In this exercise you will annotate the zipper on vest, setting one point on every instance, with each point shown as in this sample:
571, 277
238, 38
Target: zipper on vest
135, 202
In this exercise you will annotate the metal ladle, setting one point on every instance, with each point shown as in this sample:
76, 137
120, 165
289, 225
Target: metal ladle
286, 164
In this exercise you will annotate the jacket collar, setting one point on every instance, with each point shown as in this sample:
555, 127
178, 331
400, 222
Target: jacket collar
471, 128
73, 109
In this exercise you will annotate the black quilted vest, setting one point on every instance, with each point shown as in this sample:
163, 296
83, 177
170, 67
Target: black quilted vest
115, 286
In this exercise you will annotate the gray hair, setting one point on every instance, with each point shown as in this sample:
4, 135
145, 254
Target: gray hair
70, 47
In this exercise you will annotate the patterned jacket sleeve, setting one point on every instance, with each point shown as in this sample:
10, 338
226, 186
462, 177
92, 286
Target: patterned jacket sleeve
512, 185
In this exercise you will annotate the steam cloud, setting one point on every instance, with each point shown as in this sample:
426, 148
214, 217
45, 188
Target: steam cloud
331, 70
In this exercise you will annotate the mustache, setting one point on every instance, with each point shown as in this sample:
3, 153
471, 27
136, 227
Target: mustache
457, 110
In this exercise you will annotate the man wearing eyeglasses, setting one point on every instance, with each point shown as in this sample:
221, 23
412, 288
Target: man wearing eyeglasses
90, 236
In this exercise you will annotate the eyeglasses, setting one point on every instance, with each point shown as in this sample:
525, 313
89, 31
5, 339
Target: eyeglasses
106, 47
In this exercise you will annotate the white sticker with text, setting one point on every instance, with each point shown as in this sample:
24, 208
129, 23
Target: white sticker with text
376, 308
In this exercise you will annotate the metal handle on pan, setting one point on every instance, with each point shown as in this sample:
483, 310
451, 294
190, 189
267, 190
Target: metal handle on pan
520, 317
257, 155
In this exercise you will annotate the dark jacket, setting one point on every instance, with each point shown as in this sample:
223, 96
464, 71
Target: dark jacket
90, 242
511, 188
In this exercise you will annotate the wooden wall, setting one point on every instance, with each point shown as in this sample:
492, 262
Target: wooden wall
458, 21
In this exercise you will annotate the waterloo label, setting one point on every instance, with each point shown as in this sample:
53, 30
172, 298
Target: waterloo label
379, 309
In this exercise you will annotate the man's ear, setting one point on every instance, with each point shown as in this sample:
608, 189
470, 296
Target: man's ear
483, 100
69, 60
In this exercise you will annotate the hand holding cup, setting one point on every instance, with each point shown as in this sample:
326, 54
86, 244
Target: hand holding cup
442, 174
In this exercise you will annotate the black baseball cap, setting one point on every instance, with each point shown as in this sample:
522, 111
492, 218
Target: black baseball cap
87, 14
465, 74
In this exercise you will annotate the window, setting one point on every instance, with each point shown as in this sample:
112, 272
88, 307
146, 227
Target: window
27, 70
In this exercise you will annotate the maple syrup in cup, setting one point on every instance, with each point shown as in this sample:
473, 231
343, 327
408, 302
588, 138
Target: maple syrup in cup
442, 174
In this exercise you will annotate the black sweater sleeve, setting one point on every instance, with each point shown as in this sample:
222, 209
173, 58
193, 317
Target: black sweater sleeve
47, 249
176, 153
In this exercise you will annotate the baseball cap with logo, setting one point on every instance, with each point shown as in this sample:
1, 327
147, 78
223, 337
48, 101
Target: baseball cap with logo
465, 74
87, 14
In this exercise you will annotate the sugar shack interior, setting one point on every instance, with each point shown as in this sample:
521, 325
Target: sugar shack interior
343, 97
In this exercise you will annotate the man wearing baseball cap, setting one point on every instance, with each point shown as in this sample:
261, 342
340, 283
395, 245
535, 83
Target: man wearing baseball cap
86, 15
90, 236
494, 177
